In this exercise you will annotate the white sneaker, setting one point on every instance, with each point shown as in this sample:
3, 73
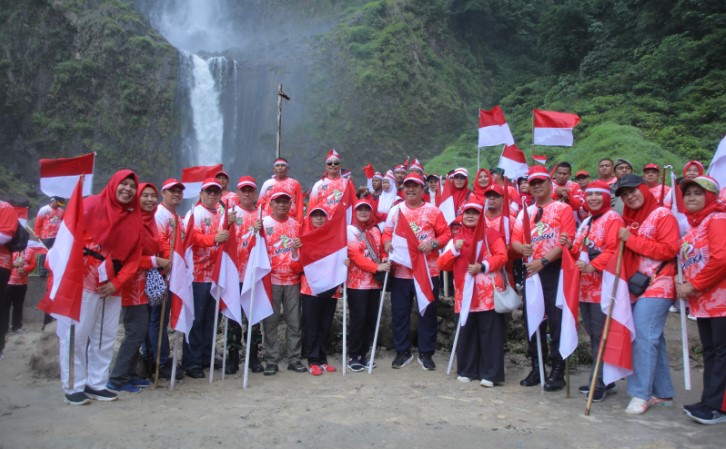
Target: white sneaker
637, 406
673, 309
486, 383
691, 317
463, 379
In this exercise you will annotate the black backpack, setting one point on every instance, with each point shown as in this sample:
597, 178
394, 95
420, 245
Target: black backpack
20, 240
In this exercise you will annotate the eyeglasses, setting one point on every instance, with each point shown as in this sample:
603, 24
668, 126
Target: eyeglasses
538, 215
332, 164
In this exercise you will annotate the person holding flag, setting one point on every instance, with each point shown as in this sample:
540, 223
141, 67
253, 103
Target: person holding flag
47, 222
703, 260
548, 219
426, 224
476, 256
651, 244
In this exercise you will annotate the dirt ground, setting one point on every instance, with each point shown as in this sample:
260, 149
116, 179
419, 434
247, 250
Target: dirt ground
388, 409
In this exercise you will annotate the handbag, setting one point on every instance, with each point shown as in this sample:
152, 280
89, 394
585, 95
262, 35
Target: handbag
506, 300
638, 282
155, 287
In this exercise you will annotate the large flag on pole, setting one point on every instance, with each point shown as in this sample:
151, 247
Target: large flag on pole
405, 252
324, 251
534, 296
180, 279
257, 274
618, 354
193, 177
225, 277
493, 128
554, 128
513, 162
568, 299
58, 177
66, 262
717, 168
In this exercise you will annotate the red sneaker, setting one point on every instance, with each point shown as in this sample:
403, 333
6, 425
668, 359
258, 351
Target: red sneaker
315, 370
328, 368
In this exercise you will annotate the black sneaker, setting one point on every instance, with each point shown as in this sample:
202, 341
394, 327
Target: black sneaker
599, 395
271, 369
195, 373
100, 395
707, 415
356, 365
79, 398
691, 407
611, 388
297, 366
402, 359
426, 362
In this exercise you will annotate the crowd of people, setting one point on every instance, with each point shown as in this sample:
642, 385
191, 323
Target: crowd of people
528, 224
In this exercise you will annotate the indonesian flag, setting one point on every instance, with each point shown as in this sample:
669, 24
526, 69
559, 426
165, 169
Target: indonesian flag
678, 207
257, 274
225, 277
554, 128
447, 206
369, 171
534, 296
513, 162
405, 252
59, 176
65, 260
324, 251
504, 222
193, 177
180, 279
568, 299
493, 128
717, 169
618, 355
541, 159
469, 281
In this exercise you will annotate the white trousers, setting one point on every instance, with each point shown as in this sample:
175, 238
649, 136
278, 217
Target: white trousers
91, 361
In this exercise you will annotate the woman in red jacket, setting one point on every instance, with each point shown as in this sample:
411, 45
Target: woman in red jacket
703, 259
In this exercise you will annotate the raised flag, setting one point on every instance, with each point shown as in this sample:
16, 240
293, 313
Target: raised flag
369, 171
58, 177
541, 159
66, 262
193, 177
225, 277
554, 128
446, 205
493, 128
618, 353
568, 299
717, 168
405, 252
257, 274
513, 162
180, 279
534, 296
324, 251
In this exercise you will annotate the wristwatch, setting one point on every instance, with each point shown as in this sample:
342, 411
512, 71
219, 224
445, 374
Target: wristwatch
544, 261
434, 244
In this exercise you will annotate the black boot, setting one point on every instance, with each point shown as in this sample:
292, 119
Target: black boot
556, 380
532, 378
255, 364
232, 362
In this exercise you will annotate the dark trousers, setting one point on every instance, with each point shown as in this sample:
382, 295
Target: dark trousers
4, 306
549, 276
136, 326
713, 339
198, 351
235, 335
155, 324
15, 298
403, 293
363, 307
593, 319
318, 316
480, 351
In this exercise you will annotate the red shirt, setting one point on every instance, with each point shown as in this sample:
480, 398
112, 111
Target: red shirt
206, 225
292, 188
327, 193
279, 236
575, 196
556, 218
165, 228
245, 223
8, 226
362, 266
29, 264
48, 221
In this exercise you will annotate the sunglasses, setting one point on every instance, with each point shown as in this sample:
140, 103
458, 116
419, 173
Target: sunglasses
332, 164
213, 191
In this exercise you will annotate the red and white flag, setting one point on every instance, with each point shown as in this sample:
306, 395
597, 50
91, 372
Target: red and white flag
534, 296
493, 128
193, 177
541, 159
225, 277
554, 128
66, 262
447, 206
369, 171
618, 354
467, 293
181, 277
513, 162
678, 207
324, 251
257, 274
405, 252
568, 299
717, 168
58, 177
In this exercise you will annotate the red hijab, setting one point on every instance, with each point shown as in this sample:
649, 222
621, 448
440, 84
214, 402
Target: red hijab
693, 163
114, 226
460, 195
603, 188
149, 235
480, 191
635, 217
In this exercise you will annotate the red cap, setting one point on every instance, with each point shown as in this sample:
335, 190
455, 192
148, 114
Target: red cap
278, 194
399, 168
211, 182
414, 177
651, 167
246, 181
172, 182
584, 173
538, 172
476, 206
316, 208
332, 154
221, 172
360, 203
496, 188
460, 171
416, 165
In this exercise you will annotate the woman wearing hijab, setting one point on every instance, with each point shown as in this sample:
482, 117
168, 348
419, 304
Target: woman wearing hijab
389, 197
365, 252
651, 242
112, 250
134, 300
693, 169
482, 182
703, 259
480, 351
595, 243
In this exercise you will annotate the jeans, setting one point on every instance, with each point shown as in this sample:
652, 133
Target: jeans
651, 372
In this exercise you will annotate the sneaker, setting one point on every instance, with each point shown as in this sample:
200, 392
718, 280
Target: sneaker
673, 309
271, 369
691, 317
463, 379
101, 395
637, 406
195, 373
611, 388
688, 409
127, 387
707, 415
402, 359
79, 398
19, 330
316, 370
140, 382
599, 395
367, 363
296, 366
660, 402
486, 383
328, 368
355, 365
426, 362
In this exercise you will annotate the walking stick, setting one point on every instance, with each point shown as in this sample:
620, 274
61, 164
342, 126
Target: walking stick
224, 345
248, 346
71, 355
541, 361
345, 333
453, 347
606, 329
174, 358
378, 324
214, 340
162, 328
684, 335
567, 378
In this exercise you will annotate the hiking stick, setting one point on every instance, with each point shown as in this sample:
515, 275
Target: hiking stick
248, 346
224, 346
345, 333
214, 340
378, 324
453, 347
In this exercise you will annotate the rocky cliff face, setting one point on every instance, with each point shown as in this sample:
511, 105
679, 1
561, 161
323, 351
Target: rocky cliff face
80, 76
